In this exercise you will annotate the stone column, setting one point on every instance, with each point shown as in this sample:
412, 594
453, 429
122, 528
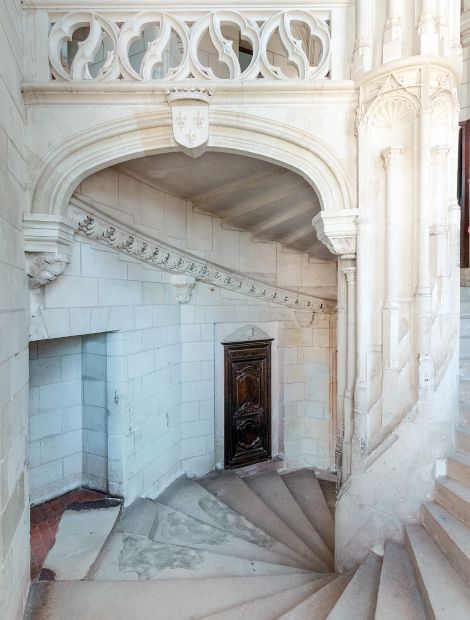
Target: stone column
428, 37
423, 295
390, 311
362, 61
392, 33
348, 268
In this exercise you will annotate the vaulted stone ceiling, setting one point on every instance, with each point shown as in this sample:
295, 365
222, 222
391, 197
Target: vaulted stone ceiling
248, 194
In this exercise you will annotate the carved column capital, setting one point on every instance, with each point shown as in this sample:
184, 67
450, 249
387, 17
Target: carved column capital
337, 230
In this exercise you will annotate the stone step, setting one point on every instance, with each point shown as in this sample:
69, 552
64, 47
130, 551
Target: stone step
172, 599
464, 292
361, 593
270, 487
132, 557
398, 595
458, 467
306, 490
464, 324
450, 534
271, 607
318, 605
194, 500
464, 368
232, 490
177, 528
81, 537
455, 497
462, 438
444, 593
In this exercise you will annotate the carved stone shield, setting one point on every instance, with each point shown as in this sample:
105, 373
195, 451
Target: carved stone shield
190, 125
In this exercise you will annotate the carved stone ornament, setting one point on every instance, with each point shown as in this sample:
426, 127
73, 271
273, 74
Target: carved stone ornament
337, 231
183, 37
47, 242
175, 261
190, 115
46, 267
183, 287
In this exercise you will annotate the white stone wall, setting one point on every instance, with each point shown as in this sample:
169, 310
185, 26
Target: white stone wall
94, 412
160, 355
55, 448
464, 90
68, 441
14, 505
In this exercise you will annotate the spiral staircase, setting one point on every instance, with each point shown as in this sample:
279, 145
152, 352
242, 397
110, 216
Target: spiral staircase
261, 547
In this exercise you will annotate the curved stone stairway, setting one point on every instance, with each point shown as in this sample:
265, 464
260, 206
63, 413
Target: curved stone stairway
261, 547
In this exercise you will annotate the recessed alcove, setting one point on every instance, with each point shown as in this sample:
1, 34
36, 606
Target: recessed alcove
68, 416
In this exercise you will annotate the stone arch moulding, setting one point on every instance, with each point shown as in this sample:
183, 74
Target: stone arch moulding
82, 154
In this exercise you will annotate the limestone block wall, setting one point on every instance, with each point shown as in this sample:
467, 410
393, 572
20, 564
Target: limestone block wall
68, 441
55, 417
14, 505
160, 358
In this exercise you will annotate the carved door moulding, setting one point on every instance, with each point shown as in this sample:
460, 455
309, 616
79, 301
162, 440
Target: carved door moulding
247, 409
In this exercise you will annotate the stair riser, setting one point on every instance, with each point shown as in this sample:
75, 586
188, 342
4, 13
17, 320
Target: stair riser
418, 578
458, 559
465, 306
453, 504
462, 441
458, 471
464, 413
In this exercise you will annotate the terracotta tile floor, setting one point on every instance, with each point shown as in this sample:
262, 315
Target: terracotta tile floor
45, 521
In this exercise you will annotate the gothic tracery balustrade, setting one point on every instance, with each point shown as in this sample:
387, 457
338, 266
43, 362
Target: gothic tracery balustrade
217, 45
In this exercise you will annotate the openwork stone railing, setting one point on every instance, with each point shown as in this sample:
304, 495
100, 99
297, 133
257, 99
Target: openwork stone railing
225, 44
174, 261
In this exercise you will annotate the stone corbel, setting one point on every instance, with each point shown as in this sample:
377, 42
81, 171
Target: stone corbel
183, 287
47, 244
337, 230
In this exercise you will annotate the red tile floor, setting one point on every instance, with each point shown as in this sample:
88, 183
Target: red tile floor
45, 521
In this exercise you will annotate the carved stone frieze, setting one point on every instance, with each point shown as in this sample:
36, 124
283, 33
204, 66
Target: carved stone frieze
181, 36
175, 261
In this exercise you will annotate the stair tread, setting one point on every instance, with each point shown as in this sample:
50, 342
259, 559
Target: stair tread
232, 490
194, 500
457, 488
319, 605
131, 557
398, 595
451, 535
175, 527
444, 592
178, 599
361, 592
462, 457
270, 607
306, 490
273, 491
80, 539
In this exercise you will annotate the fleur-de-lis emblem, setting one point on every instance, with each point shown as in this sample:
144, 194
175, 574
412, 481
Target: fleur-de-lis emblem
181, 121
199, 120
190, 137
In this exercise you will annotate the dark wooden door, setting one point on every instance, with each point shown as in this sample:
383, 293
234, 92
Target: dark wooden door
247, 403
